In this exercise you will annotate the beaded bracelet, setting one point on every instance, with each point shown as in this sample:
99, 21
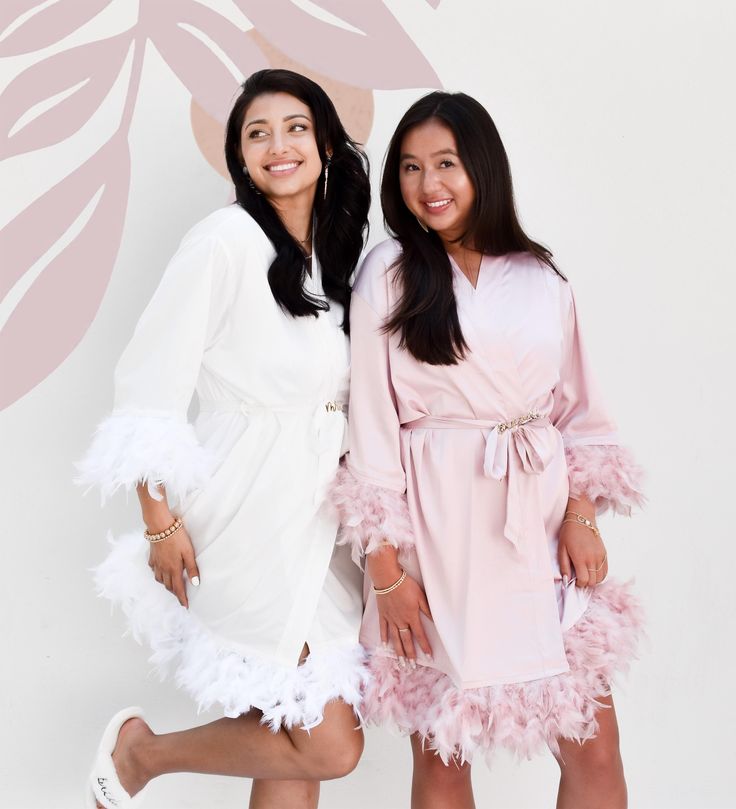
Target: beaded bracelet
581, 519
172, 529
390, 589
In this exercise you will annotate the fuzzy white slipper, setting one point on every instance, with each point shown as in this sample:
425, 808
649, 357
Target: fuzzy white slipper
104, 786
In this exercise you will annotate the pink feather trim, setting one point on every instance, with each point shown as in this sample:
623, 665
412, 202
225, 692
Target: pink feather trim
521, 717
606, 475
369, 515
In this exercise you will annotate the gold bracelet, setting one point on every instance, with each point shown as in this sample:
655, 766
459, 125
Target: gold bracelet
172, 529
390, 589
581, 519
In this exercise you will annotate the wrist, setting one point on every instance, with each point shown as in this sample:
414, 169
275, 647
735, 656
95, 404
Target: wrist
582, 506
383, 567
158, 521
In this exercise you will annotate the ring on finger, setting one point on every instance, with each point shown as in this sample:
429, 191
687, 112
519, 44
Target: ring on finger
600, 567
405, 629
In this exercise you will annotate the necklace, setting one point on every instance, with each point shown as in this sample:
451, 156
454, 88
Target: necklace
466, 268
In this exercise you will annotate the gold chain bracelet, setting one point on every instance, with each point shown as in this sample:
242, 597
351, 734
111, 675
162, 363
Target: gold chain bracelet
172, 529
390, 589
581, 519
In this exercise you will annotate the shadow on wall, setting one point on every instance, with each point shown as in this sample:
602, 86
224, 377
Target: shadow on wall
85, 212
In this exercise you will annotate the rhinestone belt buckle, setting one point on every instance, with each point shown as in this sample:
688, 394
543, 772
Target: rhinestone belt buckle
518, 422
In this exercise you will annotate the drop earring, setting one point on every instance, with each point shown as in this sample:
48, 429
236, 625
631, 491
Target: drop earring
327, 174
421, 224
250, 180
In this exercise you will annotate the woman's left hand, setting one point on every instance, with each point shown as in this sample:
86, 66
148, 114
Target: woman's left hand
582, 554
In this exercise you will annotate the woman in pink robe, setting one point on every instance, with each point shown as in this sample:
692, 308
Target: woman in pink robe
480, 452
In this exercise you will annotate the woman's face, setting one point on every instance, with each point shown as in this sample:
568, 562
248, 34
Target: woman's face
434, 184
279, 148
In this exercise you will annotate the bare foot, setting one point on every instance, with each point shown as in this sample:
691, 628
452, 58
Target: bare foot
129, 758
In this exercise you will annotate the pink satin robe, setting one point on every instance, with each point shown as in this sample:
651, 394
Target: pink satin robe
485, 505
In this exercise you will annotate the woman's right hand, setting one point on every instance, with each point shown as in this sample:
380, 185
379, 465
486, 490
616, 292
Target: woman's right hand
169, 559
400, 622
399, 610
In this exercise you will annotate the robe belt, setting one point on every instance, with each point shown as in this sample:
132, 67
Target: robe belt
328, 425
518, 450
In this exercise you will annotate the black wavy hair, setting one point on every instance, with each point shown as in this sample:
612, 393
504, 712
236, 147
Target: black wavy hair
341, 219
426, 313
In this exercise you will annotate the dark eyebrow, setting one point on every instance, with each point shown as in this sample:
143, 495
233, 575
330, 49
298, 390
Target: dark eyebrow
286, 118
434, 154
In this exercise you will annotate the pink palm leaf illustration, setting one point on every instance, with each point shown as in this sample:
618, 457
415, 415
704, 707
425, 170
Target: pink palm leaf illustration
59, 252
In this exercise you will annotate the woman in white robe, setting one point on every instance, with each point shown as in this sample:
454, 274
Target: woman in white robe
248, 604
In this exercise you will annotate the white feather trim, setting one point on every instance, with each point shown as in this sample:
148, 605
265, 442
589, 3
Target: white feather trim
130, 448
209, 671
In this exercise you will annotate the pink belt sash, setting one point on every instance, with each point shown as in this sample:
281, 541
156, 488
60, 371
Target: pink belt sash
517, 450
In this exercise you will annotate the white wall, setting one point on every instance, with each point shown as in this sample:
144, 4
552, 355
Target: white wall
619, 122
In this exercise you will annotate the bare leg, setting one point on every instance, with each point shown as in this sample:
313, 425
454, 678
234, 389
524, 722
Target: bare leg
436, 785
284, 794
592, 773
268, 794
242, 747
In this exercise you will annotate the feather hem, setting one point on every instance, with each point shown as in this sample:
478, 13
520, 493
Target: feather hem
607, 475
213, 674
370, 516
520, 717
156, 449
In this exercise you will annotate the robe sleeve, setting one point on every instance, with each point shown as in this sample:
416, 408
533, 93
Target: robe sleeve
369, 491
599, 469
147, 437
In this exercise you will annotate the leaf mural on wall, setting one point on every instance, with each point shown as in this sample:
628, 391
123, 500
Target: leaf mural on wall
381, 57
198, 67
46, 26
91, 68
52, 304
56, 311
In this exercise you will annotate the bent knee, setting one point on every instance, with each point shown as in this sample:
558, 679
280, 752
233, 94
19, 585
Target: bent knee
339, 759
344, 759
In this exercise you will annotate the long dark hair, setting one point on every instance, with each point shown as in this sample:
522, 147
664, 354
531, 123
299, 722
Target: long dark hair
341, 219
426, 313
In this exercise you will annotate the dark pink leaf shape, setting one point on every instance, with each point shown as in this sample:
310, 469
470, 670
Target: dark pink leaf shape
97, 63
57, 310
10, 10
382, 57
49, 25
200, 69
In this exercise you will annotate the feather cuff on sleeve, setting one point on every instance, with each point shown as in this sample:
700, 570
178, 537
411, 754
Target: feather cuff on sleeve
606, 475
369, 515
130, 448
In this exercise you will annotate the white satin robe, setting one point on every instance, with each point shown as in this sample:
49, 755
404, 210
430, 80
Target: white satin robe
248, 479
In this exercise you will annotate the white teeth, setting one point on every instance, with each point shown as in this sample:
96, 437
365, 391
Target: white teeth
283, 167
440, 204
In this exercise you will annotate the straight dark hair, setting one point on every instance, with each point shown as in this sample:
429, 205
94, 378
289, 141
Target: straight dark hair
426, 313
340, 218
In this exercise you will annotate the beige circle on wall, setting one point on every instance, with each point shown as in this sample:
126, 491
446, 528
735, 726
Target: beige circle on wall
354, 106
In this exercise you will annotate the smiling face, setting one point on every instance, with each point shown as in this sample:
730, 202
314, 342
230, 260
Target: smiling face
434, 184
279, 148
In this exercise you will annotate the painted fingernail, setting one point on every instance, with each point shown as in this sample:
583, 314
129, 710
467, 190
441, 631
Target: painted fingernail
402, 662
195, 581
565, 581
413, 663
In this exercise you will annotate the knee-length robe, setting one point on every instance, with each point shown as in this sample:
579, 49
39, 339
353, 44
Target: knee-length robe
467, 469
248, 477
